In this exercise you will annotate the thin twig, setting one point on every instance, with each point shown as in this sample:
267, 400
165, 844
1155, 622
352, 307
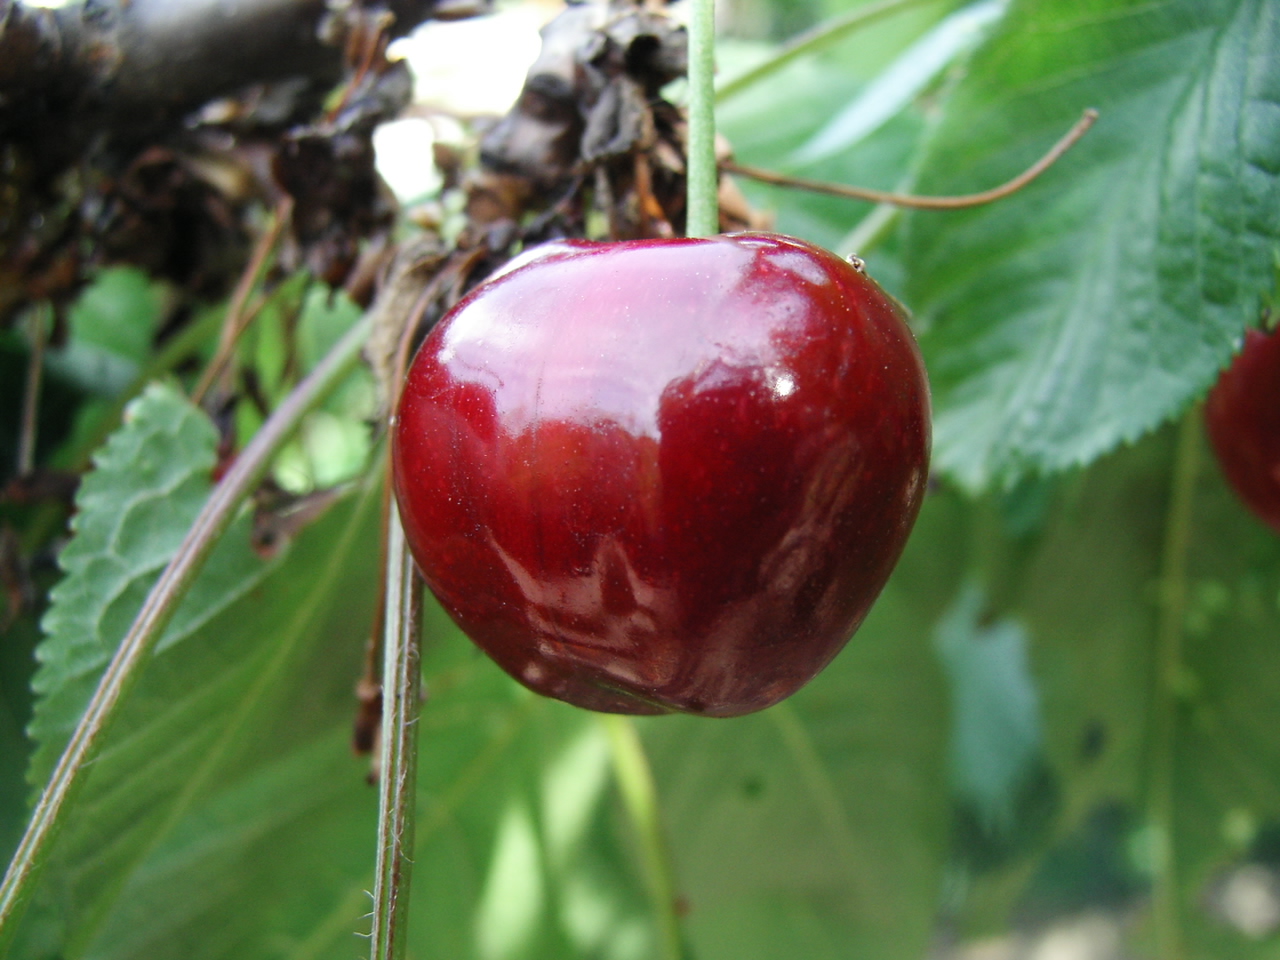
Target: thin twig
157, 610
1081, 127
31, 394
398, 783
237, 320
824, 34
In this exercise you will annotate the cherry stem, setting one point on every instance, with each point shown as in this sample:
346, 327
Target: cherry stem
398, 782
823, 35
369, 687
1087, 119
1168, 677
640, 797
157, 610
399, 700
703, 179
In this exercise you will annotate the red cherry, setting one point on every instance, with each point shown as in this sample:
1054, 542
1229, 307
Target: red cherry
664, 474
1243, 419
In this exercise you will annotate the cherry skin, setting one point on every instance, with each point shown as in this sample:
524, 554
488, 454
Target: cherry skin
1242, 415
664, 475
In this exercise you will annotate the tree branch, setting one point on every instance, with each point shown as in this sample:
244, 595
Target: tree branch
110, 88
137, 66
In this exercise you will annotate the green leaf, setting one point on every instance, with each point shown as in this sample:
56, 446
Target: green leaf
1225, 768
821, 821
903, 81
17, 643
1088, 591
514, 801
233, 740
995, 709
133, 509
817, 828
1097, 303
250, 870
529, 855
112, 325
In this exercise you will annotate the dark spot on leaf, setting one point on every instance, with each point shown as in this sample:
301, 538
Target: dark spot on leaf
1093, 740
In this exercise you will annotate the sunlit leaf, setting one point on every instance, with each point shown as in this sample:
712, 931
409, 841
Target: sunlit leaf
904, 80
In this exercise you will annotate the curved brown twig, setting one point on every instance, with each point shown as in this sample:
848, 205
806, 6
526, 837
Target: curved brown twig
1073, 135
